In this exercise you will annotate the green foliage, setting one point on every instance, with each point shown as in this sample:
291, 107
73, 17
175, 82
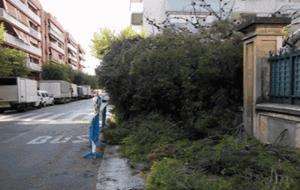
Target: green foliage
57, 71
61, 71
212, 163
150, 132
2, 33
181, 75
127, 33
103, 40
114, 136
81, 78
169, 174
13, 63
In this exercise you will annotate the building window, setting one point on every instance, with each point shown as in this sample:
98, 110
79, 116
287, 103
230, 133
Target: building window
33, 60
33, 26
137, 19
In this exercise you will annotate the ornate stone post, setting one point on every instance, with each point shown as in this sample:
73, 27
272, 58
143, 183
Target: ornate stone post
262, 35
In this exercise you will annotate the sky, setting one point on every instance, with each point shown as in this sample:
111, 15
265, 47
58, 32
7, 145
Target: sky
81, 18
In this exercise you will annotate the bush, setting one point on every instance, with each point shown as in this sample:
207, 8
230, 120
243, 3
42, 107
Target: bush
183, 76
147, 134
114, 136
170, 174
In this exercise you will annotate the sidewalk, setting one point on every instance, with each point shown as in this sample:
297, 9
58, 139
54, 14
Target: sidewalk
115, 173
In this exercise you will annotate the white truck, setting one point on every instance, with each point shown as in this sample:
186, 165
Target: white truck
86, 91
61, 90
18, 93
74, 91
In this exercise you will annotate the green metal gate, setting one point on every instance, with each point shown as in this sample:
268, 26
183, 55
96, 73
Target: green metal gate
285, 78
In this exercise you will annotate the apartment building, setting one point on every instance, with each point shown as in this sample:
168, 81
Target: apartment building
54, 40
81, 57
159, 10
23, 23
136, 13
60, 46
39, 34
71, 51
265, 7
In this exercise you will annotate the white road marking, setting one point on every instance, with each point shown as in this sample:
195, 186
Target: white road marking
81, 139
59, 139
40, 140
23, 116
36, 117
15, 117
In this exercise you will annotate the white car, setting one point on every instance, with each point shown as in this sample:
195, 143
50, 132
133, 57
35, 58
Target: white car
45, 99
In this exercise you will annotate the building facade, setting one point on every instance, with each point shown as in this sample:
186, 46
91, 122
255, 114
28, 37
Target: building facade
54, 46
23, 24
177, 12
30, 29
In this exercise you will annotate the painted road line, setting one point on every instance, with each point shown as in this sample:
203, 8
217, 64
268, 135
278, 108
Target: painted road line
24, 116
53, 122
36, 117
78, 117
15, 117
60, 116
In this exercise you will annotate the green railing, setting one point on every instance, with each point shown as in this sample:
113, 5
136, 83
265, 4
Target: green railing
285, 78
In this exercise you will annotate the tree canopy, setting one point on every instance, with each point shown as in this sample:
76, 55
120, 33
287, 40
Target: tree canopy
61, 71
104, 38
13, 62
2, 30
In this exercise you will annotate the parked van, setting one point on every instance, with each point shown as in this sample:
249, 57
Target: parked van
45, 99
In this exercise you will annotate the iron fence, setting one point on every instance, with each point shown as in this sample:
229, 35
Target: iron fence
285, 78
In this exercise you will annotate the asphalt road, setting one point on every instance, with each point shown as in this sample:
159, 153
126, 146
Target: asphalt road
42, 149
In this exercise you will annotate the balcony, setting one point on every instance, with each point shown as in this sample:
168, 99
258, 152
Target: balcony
73, 58
27, 11
72, 48
81, 56
14, 41
74, 67
57, 48
34, 66
55, 34
35, 33
10, 19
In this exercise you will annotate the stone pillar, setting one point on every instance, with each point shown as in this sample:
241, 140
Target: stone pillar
262, 35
